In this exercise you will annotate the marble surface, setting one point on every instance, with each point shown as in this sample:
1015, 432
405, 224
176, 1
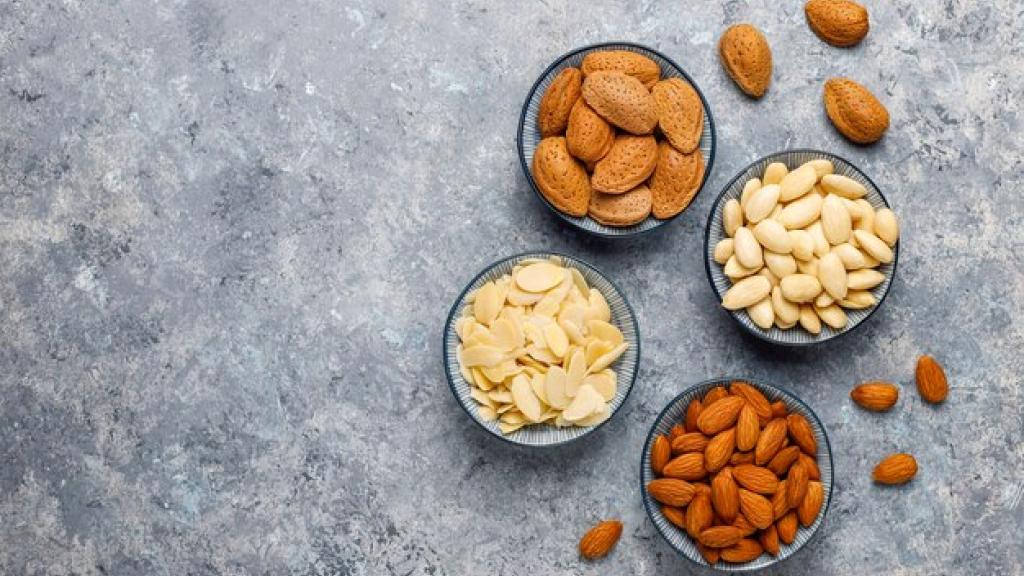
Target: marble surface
230, 233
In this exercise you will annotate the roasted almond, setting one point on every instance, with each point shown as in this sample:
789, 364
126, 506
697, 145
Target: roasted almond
931, 380
876, 396
688, 466
600, 539
895, 469
770, 441
801, 433
636, 65
796, 485
787, 526
714, 395
699, 515
557, 102
720, 536
780, 501
675, 432
562, 180
808, 509
769, 539
671, 491
841, 23
855, 111
755, 508
747, 58
622, 100
680, 113
754, 397
720, 415
779, 465
756, 478
811, 466
745, 550
746, 528
689, 442
725, 496
747, 429
779, 409
629, 162
661, 452
719, 450
693, 410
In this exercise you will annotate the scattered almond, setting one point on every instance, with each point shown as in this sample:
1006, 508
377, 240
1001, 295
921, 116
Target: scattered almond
841, 23
855, 111
747, 58
600, 539
876, 396
931, 380
895, 469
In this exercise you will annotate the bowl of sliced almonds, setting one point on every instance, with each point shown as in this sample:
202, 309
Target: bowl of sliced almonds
541, 349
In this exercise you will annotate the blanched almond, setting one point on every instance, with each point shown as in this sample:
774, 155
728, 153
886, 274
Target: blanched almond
832, 315
752, 185
864, 279
810, 267
747, 249
762, 203
773, 236
771, 277
800, 287
821, 245
803, 244
832, 275
843, 186
785, 310
797, 183
853, 259
802, 212
774, 173
780, 265
732, 217
821, 166
858, 300
735, 271
874, 246
762, 313
747, 292
887, 226
823, 300
835, 220
809, 319
723, 250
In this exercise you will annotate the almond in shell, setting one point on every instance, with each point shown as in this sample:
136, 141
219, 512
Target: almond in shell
630, 161
588, 136
620, 210
676, 180
747, 58
561, 178
622, 100
636, 65
841, 23
855, 111
680, 113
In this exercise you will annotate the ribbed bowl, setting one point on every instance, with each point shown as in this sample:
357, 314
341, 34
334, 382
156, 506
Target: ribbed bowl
529, 135
625, 367
715, 231
675, 413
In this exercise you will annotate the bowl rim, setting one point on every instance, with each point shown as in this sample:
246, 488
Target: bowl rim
708, 260
522, 123
760, 384
455, 309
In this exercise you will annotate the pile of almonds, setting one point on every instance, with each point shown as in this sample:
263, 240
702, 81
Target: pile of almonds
802, 247
739, 475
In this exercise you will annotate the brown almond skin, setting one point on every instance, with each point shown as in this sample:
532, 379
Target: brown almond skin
720, 536
622, 100
676, 180
787, 526
725, 496
931, 380
680, 113
587, 135
745, 550
756, 478
895, 469
719, 450
661, 452
690, 442
600, 540
744, 525
779, 409
714, 395
802, 434
780, 501
769, 539
784, 459
699, 515
741, 458
674, 515
689, 466
693, 409
755, 508
841, 23
561, 178
875, 396
747, 58
720, 415
557, 102
812, 467
675, 432
709, 554
855, 111
636, 65
771, 440
754, 396
671, 491
796, 485
747, 429
630, 161
808, 509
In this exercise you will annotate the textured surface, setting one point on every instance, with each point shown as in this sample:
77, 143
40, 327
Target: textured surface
230, 233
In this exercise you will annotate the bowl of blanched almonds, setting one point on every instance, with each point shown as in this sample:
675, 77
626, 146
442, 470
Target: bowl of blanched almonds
800, 247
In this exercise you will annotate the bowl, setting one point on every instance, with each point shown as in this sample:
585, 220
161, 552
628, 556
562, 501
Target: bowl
622, 316
714, 231
674, 413
529, 136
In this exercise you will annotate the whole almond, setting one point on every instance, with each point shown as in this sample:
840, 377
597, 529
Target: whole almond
780, 501
762, 203
808, 509
832, 275
747, 58
773, 236
719, 450
693, 410
747, 429
671, 491
629, 162
680, 113
801, 213
699, 515
802, 434
588, 136
675, 515
600, 539
745, 550
769, 539
855, 111
562, 180
742, 458
756, 478
811, 466
841, 23
796, 485
895, 469
770, 441
785, 458
787, 526
689, 442
874, 246
675, 432
661, 451
745, 293
755, 508
800, 288
622, 100
714, 395
711, 555
886, 226
720, 536
797, 182
725, 496
931, 380
779, 409
636, 65
876, 396
835, 220
754, 397
746, 528
688, 466
557, 102
721, 414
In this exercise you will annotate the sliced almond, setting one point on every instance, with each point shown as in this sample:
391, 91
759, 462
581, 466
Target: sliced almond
539, 277
604, 331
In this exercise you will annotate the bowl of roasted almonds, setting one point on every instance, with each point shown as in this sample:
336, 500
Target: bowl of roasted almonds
800, 247
736, 474
616, 139
541, 349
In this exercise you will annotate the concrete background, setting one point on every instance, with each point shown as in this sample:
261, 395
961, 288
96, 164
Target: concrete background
230, 233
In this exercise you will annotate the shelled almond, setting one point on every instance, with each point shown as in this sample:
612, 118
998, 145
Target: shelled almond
760, 462
801, 247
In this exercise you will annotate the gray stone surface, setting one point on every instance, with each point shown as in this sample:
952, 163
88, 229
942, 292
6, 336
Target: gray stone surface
230, 233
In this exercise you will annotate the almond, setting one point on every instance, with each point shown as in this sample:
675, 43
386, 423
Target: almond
636, 65
720, 536
562, 180
742, 458
714, 395
629, 162
661, 451
808, 509
588, 136
876, 396
836, 224
689, 466
780, 501
839, 22
746, 293
680, 113
676, 180
557, 102
801, 433
754, 397
675, 432
855, 111
600, 539
779, 409
931, 380
689, 442
796, 485
769, 539
747, 429
785, 458
675, 515
811, 466
745, 550
692, 413
894, 469
756, 508
747, 58
709, 554
719, 450
702, 487
756, 479
722, 414
770, 441
622, 100
620, 210
671, 491
786, 527
698, 515
725, 496
746, 528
